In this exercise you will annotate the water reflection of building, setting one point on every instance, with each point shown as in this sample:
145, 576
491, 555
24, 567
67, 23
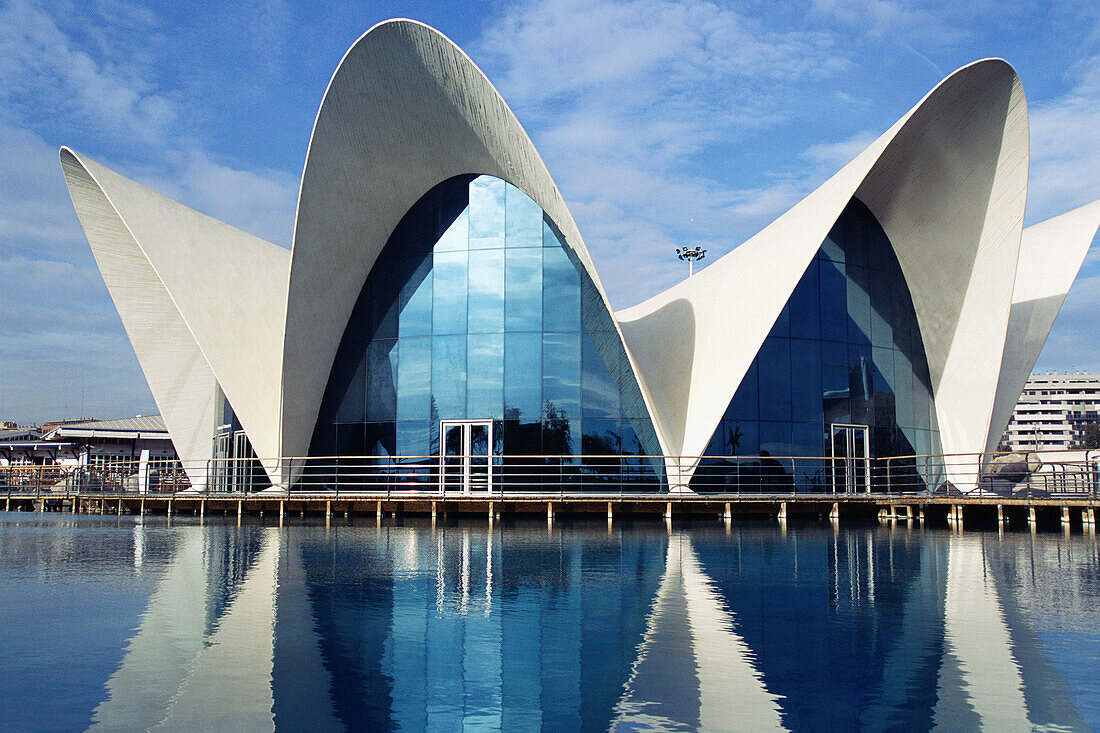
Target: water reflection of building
414, 628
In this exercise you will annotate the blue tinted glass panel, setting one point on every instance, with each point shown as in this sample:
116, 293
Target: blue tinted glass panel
487, 213
601, 438
600, 392
416, 299
859, 305
740, 438
449, 377
561, 292
834, 302
884, 369
523, 375
774, 374
804, 306
561, 374
381, 380
379, 439
808, 439
744, 405
831, 250
449, 303
414, 439
524, 219
486, 298
559, 436
806, 386
382, 309
523, 290
351, 402
903, 389
485, 375
776, 439
456, 237
882, 333
414, 378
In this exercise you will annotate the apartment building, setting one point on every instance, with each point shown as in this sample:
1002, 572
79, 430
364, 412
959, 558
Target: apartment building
1053, 411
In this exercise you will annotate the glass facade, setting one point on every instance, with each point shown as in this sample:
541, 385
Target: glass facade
234, 466
846, 350
476, 309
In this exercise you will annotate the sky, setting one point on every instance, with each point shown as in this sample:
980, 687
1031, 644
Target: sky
647, 113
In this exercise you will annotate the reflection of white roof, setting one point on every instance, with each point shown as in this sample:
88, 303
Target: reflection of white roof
406, 109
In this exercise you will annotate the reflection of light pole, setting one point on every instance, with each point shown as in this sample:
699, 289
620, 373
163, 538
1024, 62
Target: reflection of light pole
691, 253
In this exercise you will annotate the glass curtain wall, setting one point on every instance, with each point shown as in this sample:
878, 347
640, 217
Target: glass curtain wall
476, 309
234, 465
846, 350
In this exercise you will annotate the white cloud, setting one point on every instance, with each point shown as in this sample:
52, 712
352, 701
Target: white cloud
260, 201
1065, 147
625, 97
103, 85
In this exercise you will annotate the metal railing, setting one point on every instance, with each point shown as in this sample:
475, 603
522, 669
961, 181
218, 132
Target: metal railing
972, 475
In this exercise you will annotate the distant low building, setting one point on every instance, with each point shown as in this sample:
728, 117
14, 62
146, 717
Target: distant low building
134, 447
1052, 412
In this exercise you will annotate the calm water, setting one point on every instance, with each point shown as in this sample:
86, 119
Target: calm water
130, 625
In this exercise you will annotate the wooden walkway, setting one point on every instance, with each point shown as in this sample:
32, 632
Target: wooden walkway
1067, 510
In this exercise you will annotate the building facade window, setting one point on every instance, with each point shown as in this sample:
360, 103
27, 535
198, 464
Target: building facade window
476, 309
846, 350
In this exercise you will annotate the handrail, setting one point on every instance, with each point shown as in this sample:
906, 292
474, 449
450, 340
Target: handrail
607, 474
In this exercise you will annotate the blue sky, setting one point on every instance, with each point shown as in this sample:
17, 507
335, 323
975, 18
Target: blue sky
647, 113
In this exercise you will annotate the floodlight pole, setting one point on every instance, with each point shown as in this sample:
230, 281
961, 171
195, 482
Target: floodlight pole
691, 253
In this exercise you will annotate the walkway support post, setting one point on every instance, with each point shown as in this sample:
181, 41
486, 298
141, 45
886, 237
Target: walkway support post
1065, 515
378, 510
668, 510
782, 516
549, 511
727, 511
1000, 514
240, 509
834, 513
1031, 516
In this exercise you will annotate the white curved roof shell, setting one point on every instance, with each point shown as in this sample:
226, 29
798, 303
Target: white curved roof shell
406, 109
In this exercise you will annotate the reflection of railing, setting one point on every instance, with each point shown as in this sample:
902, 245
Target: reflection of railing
931, 475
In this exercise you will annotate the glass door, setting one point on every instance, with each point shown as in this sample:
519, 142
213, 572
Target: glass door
465, 460
851, 460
